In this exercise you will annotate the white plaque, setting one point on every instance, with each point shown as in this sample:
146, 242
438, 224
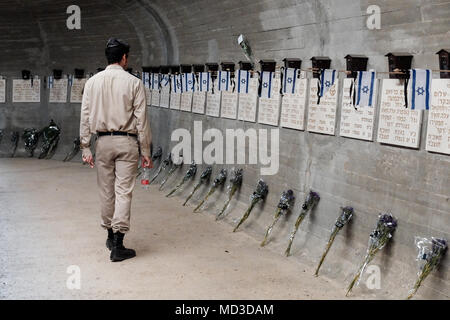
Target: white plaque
164, 97
357, 123
322, 117
248, 101
148, 96
24, 92
438, 130
229, 104
198, 103
58, 94
2, 90
397, 125
155, 97
186, 101
269, 108
293, 106
76, 91
213, 102
175, 100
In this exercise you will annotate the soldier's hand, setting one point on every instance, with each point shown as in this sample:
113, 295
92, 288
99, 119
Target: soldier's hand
87, 157
147, 162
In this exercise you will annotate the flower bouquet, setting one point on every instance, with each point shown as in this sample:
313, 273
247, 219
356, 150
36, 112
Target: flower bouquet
285, 203
379, 237
429, 257
218, 181
259, 194
342, 220
189, 174
235, 183
204, 177
311, 201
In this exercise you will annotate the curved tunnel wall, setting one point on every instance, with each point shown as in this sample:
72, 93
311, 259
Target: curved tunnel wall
412, 184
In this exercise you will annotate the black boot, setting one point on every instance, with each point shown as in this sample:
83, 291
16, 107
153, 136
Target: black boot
110, 239
119, 252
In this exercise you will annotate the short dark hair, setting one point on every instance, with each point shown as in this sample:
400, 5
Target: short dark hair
115, 49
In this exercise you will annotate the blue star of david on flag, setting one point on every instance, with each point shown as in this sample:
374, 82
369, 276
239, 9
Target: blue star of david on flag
224, 80
327, 78
266, 88
243, 78
419, 88
189, 82
290, 78
365, 86
204, 81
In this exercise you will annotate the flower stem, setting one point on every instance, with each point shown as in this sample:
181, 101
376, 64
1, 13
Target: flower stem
232, 191
211, 191
269, 229
327, 248
246, 214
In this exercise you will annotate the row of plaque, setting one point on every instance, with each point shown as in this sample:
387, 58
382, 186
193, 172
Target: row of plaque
397, 125
30, 90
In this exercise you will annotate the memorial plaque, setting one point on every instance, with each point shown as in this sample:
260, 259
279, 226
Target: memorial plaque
293, 106
76, 90
2, 90
58, 94
24, 92
175, 100
164, 98
358, 123
213, 101
155, 97
322, 117
229, 104
198, 103
248, 101
148, 96
269, 108
397, 125
438, 130
186, 101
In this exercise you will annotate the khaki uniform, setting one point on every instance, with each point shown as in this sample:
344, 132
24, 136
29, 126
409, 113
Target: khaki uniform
114, 100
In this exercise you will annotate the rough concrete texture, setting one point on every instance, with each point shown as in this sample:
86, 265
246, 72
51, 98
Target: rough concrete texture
412, 184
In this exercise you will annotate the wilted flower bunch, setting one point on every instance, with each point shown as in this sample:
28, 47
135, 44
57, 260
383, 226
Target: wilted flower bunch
310, 202
30, 137
189, 174
429, 257
379, 237
235, 183
172, 170
74, 151
167, 163
218, 181
259, 194
204, 177
157, 154
345, 216
285, 203
50, 136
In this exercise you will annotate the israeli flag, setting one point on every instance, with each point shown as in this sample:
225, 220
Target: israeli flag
155, 81
224, 80
290, 77
365, 82
188, 82
177, 86
327, 79
243, 80
50, 82
70, 79
165, 80
146, 79
266, 84
205, 79
419, 89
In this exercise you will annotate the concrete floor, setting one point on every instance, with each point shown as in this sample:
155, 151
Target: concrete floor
49, 221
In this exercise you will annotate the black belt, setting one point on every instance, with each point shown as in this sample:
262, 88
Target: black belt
116, 133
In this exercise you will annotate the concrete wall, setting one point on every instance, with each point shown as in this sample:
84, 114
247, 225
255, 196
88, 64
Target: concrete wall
412, 184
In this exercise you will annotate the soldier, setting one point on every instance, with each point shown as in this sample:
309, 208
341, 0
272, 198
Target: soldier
114, 107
